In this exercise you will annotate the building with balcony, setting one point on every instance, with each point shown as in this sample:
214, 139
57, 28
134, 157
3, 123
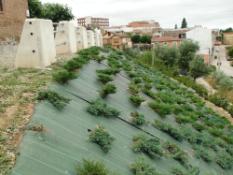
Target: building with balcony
93, 22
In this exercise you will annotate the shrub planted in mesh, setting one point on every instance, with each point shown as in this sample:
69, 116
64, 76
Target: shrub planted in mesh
104, 78
161, 108
137, 119
102, 138
99, 108
63, 76
136, 100
107, 89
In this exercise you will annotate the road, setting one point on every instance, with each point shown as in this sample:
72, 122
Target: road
220, 52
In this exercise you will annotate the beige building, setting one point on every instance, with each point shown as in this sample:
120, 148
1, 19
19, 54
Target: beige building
12, 16
93, 22
166, 40
228, 38
117, 41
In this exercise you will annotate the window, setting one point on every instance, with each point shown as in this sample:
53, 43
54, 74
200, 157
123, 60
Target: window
1, 5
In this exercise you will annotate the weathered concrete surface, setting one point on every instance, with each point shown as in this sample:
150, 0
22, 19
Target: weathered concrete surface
90, 38
8, 53
65, 38
81, 36
37, 46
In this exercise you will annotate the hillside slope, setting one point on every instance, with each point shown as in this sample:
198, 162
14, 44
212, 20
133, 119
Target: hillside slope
187, 137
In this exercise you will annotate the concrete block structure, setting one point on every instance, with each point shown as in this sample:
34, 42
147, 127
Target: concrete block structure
90, 38
12, 16
98, 38
228, 38
81, 37
65, 38
37, 46
203, 36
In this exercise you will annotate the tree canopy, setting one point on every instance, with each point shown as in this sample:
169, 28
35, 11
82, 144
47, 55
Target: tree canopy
145, 39
198, 67
53, 11
184, 23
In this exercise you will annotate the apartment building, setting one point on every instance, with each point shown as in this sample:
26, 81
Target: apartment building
93, 22
12, 16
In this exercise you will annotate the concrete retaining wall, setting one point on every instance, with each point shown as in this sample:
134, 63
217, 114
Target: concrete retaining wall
90, 38
65, 38
37, 46
81, 36
8, 53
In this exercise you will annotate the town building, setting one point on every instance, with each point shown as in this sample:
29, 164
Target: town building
204, 37
228, 38
145, 27
93, 22
117, 40
166, 40
12, 16
175, 33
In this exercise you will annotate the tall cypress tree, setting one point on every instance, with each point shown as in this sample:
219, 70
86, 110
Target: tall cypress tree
184, 23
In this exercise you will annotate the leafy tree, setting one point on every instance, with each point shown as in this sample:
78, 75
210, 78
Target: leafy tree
184, 23
146, 39
35, 8
198, 67
57, 12
230, 52
169, 55
188, 50
136, 38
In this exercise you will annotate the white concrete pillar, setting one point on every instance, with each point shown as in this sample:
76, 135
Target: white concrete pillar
90, 38
81, 36
65, 38
37, 46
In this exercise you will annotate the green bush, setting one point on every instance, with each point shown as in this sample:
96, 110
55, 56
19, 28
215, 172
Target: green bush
137, 119
198, 126
219, 101
171, 148
202, 153
224, 160
136, 100
133, 89
99, 108
102, 138
54, 98
72, 65
148, 146
161, 108
181, 157
104, 78
89, 167
63, 76
183, 119
137, 80
140, 167
173, 132
109, 71
107, 89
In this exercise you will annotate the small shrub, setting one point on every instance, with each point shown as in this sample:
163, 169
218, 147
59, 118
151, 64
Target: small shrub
148, 86
198, 126
133, 89
107, 89
109, 71
101, 137
162, 109
63, 76
89, 167
138, 119
136, 100
181, 157
173, 132
137, 80
72, 65
140, 167
183, 119
99, 108
202, 153
54, 98
224, 160
219, 101
148, 146
171, 148
104, 78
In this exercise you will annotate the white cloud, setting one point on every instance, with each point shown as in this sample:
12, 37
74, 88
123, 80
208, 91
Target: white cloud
210, 13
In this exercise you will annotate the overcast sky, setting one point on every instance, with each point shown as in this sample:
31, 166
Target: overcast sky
209, 13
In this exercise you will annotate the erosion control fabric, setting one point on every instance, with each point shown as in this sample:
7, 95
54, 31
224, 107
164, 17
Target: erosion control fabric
64, 142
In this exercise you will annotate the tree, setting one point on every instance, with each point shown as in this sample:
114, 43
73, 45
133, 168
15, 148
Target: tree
136, 38
35, 8
184, 23
146, 39
57, 12
188, 50
198, 67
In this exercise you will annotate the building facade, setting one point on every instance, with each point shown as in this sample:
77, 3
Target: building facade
204, 37
228, 38
12, 16
166, 41
117, 41
94, 22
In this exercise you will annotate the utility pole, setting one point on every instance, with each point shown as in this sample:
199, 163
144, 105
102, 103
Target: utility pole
153, 55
